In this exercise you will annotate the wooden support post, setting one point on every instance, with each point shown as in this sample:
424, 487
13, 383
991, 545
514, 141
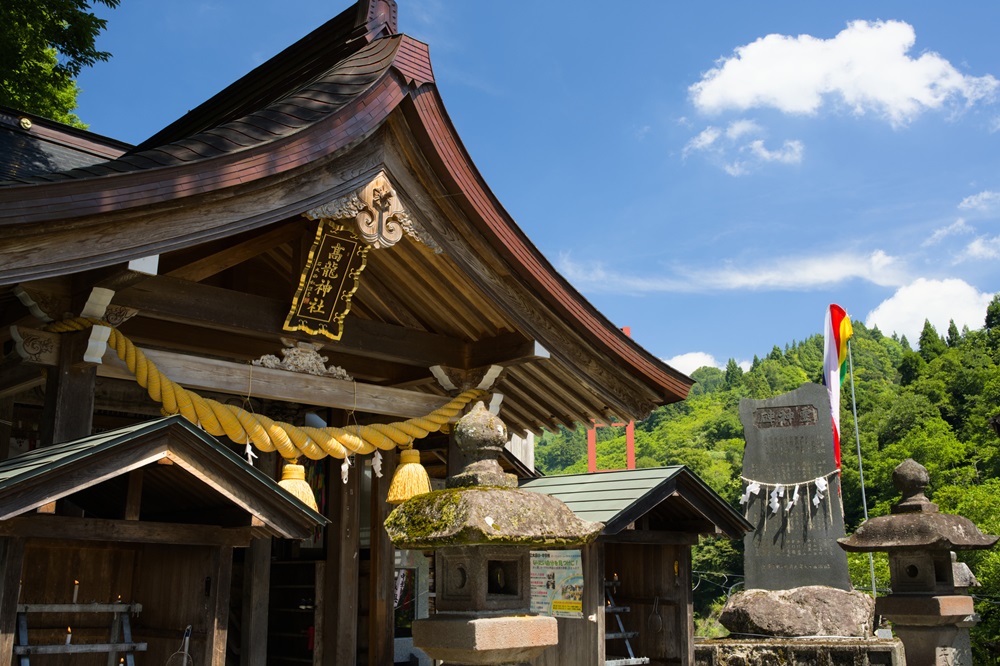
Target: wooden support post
381, 607
69, 392
11, 559
217, 625
686, 601
256, 587
340, 593
133, 501
6, 425
593, 601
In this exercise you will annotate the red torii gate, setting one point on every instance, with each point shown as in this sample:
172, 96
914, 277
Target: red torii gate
629, 437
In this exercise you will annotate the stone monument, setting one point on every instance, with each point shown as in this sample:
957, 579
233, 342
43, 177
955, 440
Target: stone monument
797, 582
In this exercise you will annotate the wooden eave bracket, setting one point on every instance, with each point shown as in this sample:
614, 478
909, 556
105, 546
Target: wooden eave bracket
40, 347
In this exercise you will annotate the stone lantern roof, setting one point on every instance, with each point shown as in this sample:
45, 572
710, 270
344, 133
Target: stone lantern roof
482, 505
915, 523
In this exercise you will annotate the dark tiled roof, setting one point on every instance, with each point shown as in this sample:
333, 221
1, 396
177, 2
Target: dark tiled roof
47, 146
303, 104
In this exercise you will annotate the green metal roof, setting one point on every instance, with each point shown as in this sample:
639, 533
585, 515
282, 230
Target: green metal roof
53, 472
619, 498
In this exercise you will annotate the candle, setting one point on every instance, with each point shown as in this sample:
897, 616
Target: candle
69, 635
76, 590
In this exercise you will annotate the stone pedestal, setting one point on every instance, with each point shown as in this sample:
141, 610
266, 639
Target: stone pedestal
460, 639
934, 629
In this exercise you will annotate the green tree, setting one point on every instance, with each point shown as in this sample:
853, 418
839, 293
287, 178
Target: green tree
931, 344
44, 44
954, 337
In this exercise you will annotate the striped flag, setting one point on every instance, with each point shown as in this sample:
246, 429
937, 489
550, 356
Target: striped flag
836, 334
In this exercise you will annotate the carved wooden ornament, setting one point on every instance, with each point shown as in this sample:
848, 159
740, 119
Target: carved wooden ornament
378, 214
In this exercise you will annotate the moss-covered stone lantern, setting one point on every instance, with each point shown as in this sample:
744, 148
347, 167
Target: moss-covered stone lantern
929, 615
482, 529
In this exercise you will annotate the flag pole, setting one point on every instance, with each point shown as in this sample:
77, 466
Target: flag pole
861, 467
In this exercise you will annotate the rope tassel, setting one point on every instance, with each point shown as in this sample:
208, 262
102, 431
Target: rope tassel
293, 479
410, 478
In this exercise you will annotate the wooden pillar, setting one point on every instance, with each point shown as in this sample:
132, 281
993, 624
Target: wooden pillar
217, 607
69, 392
686, 602
11, 559
592, 559
381, 618
256, 588
6, 425
339, 632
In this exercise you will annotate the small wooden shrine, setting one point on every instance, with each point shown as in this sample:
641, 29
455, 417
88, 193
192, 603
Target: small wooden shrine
310, 267
143, 549
637, 575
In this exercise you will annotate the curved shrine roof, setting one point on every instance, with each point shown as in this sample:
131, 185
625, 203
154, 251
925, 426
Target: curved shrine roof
343, 102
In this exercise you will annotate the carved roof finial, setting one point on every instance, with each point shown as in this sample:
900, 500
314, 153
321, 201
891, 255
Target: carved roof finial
379, 16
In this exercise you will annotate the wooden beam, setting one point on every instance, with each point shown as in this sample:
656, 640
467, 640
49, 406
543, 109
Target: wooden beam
224, 309
657, 537
97, 529
504, 349
18, 376
198, 373
231, 255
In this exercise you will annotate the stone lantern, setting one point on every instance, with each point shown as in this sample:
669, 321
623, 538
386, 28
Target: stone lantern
482, 529
929, 614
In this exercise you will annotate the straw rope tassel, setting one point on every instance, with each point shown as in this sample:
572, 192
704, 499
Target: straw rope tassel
293, 479
410, 478
267, 434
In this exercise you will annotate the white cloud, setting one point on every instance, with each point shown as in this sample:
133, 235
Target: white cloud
984, 201
691, 361
789, 153
982, 248
740, 128
788, 273
705, 139
735, 139
957, 227
936, 300
865, 67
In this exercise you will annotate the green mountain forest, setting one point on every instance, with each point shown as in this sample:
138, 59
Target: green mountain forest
937, 401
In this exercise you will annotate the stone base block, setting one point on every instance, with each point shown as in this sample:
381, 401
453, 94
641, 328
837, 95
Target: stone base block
800, 652
467, 639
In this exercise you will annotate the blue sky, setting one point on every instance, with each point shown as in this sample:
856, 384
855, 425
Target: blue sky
712, 176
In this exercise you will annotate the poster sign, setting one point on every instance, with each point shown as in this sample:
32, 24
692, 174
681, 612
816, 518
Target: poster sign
557, 583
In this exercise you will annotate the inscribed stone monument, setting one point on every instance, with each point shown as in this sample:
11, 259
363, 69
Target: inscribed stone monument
791, 493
